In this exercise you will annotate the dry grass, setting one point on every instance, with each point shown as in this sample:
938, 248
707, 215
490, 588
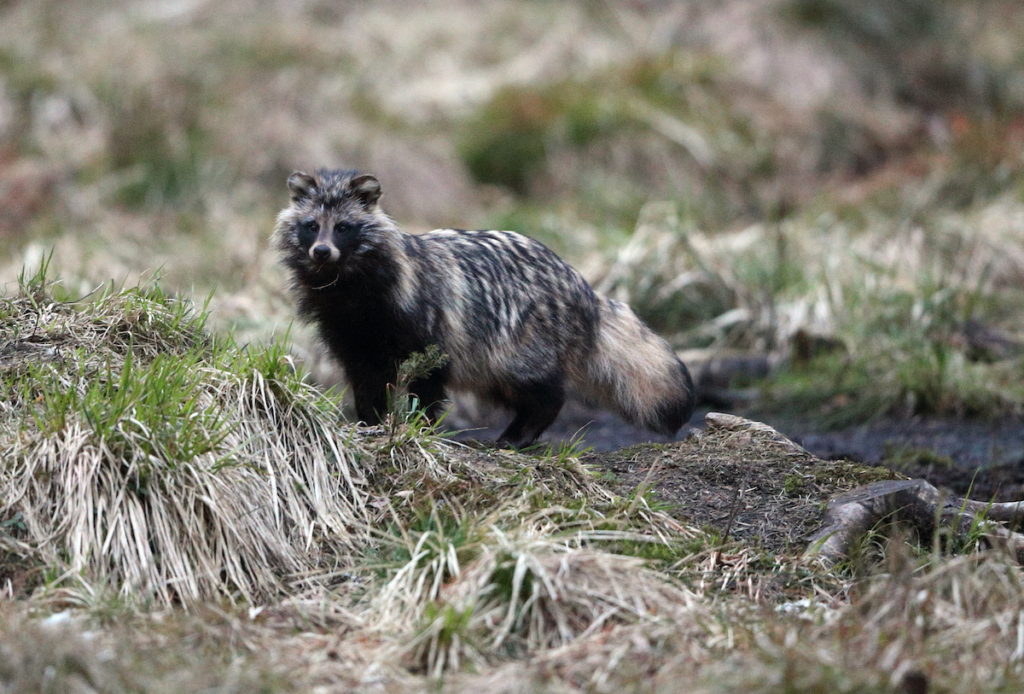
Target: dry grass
68, 652
144, 455
953, 622
871, 316
527, 597
952, 625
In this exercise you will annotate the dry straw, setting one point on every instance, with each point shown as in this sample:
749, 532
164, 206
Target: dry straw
144, 457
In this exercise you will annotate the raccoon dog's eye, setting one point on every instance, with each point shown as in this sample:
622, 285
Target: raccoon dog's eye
307, 230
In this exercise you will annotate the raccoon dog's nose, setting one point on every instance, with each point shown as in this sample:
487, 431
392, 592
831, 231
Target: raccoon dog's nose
320, 252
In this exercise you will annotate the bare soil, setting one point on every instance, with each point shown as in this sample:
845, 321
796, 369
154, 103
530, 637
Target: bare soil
742, 485
976, 459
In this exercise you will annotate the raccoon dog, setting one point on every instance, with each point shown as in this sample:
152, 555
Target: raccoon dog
521, 328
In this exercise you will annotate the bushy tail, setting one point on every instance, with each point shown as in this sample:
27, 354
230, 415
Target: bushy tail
634, 373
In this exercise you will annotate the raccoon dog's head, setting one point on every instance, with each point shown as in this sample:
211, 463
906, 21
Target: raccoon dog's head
329, 216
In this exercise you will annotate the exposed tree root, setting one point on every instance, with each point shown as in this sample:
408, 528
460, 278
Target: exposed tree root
914, 503
921, 506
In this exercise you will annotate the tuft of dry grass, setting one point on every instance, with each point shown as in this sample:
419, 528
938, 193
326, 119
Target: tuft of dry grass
532, 596
144, 456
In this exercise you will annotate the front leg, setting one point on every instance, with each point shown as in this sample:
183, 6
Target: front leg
370, 390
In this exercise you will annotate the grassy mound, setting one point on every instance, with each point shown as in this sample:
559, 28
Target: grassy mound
144, 455
745, 486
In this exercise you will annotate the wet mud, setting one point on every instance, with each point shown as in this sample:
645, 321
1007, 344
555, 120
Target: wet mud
977, 459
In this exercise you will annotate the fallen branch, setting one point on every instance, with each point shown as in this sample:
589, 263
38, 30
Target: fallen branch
920, 505
914, 503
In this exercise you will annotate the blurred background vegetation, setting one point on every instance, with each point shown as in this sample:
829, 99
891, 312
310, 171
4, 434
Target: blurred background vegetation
837, 184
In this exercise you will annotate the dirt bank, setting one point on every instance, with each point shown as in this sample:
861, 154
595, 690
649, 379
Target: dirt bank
982, 460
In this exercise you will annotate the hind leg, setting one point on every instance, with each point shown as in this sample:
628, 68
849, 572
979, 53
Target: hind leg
536, 405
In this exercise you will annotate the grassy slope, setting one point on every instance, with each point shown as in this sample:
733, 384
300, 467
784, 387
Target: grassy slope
183, 513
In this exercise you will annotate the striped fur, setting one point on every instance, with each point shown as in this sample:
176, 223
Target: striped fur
521, 328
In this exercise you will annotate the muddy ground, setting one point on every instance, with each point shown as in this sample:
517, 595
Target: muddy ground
979, 459
744, 484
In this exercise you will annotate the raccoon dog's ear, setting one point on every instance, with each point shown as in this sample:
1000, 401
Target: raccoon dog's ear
366, 188
301, 185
